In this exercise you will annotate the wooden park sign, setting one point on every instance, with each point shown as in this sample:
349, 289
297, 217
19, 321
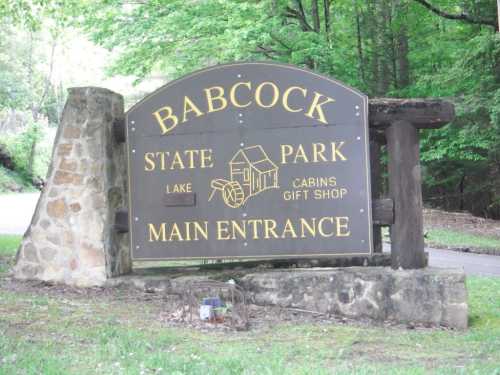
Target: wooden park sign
249, 160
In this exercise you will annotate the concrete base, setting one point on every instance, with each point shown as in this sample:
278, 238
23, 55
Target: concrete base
430, 296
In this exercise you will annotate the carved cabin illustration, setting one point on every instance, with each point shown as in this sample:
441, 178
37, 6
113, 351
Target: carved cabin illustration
253, 169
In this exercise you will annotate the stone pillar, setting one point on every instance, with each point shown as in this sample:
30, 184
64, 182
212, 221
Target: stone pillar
71, 237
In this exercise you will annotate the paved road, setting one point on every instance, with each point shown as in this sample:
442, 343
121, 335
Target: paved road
16, 211
473, 264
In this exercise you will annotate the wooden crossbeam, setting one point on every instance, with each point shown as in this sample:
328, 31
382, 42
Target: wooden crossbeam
421, 113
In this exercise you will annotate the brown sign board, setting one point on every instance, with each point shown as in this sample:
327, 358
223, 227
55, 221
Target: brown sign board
249, 160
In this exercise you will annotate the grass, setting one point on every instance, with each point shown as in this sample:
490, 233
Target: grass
9, 244
50, 333
8, 247
449, 238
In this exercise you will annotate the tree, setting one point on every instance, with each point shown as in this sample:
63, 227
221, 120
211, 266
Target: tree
404, 48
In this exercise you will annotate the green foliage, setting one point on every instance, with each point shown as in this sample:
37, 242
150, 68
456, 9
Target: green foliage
13, 181
393, 48
13, 89
459, 156
22, 146
385, 48
21, 11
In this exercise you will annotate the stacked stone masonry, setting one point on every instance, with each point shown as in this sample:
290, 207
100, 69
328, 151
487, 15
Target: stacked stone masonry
71, 237
429, 297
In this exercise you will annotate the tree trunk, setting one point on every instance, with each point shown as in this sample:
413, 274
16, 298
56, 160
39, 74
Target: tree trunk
326, 11
383, 15
31, 160
361, 59
462, 189
373, 28
315, 15
390, 37
403, 61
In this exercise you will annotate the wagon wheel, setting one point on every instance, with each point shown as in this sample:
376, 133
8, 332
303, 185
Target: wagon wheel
233, 194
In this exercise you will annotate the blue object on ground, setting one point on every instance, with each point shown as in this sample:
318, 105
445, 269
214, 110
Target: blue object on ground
215, 302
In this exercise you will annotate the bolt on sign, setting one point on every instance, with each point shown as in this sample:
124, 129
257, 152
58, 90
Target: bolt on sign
249, 160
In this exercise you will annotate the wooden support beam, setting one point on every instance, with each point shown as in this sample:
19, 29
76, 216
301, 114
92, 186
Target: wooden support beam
119, 132
121, 221
406, 191
421, 113
383, 212
376, 172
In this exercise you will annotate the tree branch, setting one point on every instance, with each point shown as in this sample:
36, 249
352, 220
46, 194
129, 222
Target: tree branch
279, 41
268, 52
298, 15
459, 17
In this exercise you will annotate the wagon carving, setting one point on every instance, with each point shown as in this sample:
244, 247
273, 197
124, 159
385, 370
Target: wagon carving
251, 172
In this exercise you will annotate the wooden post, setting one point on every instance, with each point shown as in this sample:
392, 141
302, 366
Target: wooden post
401, 119
375, 182
406, 191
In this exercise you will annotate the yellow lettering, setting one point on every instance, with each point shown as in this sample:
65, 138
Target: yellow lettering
258, 95
286, 150
316, 107
318, 150
219, 97
155, 235
321, 229
162, 117
287, 93
198, 229
175, 232
310, 228
336, 151
232, 94
300, 154
241, 229
288, 229
150, 164
343, 223
189, 106
206, 158
222, 230
270, 228
190, 154
254, 223
161, 155
177, 161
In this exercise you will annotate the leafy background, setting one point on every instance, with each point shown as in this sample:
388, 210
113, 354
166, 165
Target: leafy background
386, 48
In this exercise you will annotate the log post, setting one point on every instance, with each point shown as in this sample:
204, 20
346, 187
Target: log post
406, 191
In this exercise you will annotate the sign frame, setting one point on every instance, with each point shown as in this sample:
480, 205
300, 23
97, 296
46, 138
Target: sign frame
307, 253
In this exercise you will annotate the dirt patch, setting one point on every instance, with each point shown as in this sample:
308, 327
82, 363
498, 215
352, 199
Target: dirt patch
461, 222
